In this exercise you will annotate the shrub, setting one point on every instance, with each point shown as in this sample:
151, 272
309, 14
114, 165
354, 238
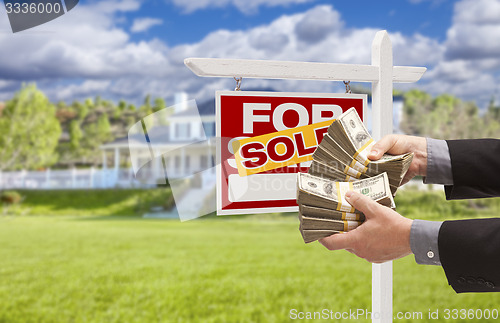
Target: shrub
10, 197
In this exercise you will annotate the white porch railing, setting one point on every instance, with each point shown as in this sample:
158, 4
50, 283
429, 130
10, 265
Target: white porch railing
68, 179
92, 178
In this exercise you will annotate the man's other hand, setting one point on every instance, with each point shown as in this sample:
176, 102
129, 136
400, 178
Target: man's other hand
384, 236
401, 144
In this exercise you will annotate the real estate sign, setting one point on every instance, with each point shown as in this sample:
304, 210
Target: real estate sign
266, 138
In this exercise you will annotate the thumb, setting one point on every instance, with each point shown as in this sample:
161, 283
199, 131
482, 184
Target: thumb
382, 146
339, 241
363, 203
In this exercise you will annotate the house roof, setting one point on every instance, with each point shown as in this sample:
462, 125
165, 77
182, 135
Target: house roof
157, 135
206, 108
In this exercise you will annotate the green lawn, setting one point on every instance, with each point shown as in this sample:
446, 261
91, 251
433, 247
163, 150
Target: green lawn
237, 269
91, 202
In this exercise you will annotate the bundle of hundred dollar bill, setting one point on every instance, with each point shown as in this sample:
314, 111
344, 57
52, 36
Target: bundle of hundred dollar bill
340, 164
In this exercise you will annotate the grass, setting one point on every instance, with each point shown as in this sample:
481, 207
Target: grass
432, 205
233, 269
92, 202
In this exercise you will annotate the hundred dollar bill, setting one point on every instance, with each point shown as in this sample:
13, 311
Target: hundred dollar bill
352, 135
316, 228
346, 146
313, 235
329, 171
325, 164
322, 213
311, 223
329, 148
324, 193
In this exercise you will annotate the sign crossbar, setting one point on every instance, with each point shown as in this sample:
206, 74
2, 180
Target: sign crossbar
246, 68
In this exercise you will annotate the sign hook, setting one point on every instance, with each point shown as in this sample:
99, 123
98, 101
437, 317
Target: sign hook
347, 87
238, 83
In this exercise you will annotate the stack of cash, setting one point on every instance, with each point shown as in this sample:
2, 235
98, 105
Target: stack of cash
342, 154
323, 209
340, 164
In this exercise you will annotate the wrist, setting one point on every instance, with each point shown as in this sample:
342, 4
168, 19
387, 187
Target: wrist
420, 155
406, 225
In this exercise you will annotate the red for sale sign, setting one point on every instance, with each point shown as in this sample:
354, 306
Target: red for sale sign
243, 115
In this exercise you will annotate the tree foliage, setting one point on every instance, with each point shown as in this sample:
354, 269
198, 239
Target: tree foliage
446, 117
29, 131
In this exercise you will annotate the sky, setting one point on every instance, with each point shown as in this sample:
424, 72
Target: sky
126, 49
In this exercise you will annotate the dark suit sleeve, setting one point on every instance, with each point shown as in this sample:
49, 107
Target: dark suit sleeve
470, 254
469, 250
475, 165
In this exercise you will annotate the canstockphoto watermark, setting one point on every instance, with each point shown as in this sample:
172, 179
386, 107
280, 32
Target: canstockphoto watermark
475, 314
26, 14
351, 314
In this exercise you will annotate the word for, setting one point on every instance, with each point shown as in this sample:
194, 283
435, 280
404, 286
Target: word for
318, 114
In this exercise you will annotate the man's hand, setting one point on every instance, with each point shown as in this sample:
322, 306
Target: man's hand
384, 236
401, 144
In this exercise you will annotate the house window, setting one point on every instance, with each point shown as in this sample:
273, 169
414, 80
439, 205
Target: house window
203, 162
177, 162
187, 163
182, 130
166, 160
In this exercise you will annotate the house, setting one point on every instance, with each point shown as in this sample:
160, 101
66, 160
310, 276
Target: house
178, 142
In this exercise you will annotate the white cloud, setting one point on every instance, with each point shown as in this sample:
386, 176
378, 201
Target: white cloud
286, 38
481, 12
87, 88
85, 43
317, 24
144, 24
244, 6
470, 66
89, 46
97, 54
475, 32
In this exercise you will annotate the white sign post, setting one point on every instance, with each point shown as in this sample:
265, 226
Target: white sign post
381, 73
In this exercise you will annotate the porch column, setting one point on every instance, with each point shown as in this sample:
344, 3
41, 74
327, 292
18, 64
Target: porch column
117, 159
183, 161
104, 161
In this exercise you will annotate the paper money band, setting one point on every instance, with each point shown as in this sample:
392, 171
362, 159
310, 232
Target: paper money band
350, 216
355, 169
342, 205
362, 152
349, 178
349, 225
358, 166
352, 172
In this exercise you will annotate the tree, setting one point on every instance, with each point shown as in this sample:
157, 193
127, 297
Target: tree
29, 131
159, 104
146, 109
81, 108
95, 134
75, 135
89, 103
416, 105
98, 101
445, 117
122, 105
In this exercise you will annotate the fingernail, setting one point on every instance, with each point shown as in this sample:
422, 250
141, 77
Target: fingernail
348, 194
373, 153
